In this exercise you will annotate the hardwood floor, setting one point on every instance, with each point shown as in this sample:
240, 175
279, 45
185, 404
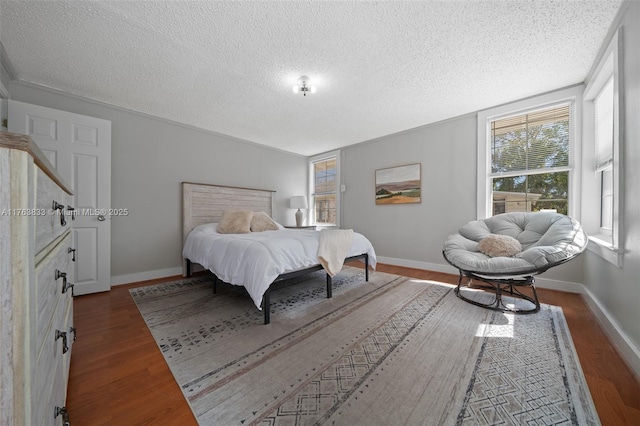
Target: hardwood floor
118, 375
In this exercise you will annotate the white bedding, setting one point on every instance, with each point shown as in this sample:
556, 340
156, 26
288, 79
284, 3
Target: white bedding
256, 259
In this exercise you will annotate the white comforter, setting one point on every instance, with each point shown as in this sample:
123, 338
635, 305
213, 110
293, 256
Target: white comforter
256, 259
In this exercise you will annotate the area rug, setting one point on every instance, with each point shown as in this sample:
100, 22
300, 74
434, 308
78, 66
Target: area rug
391, 351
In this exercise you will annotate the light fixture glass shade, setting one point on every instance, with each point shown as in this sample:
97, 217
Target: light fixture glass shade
298, 202
304, 86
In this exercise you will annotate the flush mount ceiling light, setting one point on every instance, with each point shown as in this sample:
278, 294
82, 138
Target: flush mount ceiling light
304, 86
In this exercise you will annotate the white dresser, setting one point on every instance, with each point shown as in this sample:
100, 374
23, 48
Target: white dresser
36, 294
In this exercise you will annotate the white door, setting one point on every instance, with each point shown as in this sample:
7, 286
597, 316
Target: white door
80, 149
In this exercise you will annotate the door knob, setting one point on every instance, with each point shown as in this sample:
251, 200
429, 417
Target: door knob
101, 218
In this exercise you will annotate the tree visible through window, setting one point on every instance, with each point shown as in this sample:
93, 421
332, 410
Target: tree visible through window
325, 190
530, 161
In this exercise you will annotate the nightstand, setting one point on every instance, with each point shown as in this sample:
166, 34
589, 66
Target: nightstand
308, 227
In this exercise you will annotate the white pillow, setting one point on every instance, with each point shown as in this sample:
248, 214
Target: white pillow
208, 228
497, 245
235, 222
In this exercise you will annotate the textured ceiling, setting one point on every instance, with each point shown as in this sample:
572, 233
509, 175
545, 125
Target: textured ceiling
380, 67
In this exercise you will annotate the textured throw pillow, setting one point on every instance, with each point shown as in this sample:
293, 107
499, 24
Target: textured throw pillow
235, 222
496, 245
260, 221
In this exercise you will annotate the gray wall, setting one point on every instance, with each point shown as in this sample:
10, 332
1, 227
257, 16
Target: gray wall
150, 158
4, 75
413, 234
5, 78
617, 290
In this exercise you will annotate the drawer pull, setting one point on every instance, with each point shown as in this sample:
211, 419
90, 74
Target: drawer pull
72, 250
75, 333
72, 212
66, 286
62, 411
62, 335
60, 207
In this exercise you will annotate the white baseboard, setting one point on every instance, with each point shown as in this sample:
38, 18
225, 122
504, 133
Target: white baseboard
436, 267
448, 269
551, 284
144, 276
625, 346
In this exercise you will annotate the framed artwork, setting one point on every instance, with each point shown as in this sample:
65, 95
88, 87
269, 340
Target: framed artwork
399, 185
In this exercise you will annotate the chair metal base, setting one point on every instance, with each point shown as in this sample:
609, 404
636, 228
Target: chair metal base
499, 287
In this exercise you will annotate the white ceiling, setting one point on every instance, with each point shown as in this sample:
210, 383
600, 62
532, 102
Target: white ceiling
380, 67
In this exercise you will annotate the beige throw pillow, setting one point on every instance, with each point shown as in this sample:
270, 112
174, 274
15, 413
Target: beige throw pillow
235, 222
260, 221
496, 245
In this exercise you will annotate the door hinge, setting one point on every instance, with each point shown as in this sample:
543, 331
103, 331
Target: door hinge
5, 123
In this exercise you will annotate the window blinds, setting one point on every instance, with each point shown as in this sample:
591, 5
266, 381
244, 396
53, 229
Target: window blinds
603, 120
325, 190
324, 173
535, 141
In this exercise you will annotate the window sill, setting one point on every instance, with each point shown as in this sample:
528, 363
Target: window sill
601, 246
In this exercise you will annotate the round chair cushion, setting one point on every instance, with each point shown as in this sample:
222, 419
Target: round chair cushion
547, 239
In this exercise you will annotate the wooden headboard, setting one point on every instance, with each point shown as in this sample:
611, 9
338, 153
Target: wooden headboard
203, 203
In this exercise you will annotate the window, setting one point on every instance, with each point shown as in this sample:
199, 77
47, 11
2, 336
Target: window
525, 156
324, 197
602, 204
530, 161
603, 135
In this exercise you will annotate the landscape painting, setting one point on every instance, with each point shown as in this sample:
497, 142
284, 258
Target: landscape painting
398, 185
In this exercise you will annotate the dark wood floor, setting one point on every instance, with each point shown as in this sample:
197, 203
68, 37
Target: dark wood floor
118, 375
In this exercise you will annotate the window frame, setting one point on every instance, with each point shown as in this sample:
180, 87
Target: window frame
312, 207
605, 243
571, 95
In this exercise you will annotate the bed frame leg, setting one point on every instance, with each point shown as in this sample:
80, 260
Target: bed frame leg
329, 289
215, 283
366, 267
266, 306
188, 267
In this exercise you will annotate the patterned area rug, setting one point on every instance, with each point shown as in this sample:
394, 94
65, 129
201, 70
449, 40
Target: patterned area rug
393, 351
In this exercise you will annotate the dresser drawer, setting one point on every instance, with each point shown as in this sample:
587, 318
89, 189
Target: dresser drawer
49, 288
52, 365
49, 222
49, 396
53, 348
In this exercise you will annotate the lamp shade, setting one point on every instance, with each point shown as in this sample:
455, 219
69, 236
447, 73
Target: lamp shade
298, 202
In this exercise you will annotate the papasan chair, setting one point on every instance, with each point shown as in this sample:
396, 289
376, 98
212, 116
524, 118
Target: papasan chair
503, 254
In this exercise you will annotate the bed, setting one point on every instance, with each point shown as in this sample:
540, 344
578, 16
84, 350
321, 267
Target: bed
254, 260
